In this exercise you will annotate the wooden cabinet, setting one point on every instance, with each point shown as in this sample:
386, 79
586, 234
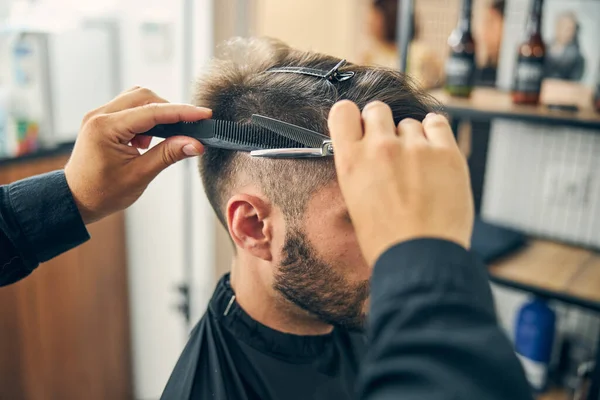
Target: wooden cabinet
64, 330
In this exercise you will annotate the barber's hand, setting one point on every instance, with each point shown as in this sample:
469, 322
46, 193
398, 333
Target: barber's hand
400, 183
105, 173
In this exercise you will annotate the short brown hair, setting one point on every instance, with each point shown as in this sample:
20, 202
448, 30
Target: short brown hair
236, 85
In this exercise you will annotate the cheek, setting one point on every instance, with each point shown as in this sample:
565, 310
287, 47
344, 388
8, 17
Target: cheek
353, 264
278, 235
338, 247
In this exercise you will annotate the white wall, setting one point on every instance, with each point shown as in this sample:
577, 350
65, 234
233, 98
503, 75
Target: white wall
168, 244
203, 241
156, 225
4, 8
310, 25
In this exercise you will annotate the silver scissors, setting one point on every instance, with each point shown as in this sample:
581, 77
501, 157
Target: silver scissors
317, 144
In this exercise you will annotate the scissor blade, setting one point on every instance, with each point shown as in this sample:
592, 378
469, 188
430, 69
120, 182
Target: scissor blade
301, 135
288, 153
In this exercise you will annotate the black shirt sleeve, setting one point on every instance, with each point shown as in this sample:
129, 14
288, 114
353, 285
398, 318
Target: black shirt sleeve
38, 221
432, 329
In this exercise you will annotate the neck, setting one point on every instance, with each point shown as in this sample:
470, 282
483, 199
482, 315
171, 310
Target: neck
255, 294
535, 18
465, 18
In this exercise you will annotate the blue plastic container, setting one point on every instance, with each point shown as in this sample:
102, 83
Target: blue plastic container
534, 339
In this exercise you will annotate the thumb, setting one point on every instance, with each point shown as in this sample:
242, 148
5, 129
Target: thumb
167, 153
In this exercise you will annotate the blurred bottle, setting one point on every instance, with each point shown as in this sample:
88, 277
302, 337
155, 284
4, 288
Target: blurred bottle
585, 373
26, 118
576, 352
27, 128
534, 338
529, 71
460, 66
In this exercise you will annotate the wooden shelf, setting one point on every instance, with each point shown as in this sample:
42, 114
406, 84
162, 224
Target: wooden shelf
486, 103
554, 394
586, 284
568, 273
62, 149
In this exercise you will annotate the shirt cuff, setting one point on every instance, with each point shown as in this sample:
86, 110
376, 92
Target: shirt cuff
431, 265
48, 218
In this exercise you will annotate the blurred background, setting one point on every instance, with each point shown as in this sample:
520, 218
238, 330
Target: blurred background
519, 80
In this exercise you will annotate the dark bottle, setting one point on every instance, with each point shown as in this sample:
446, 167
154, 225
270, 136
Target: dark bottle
460, 66
529, 71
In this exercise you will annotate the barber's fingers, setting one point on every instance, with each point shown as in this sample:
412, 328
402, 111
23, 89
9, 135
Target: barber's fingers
131, 89
135, 97
378, 120
411, 131
438, 130
345, 128
127, 123
344, 122
164, 154
141, 142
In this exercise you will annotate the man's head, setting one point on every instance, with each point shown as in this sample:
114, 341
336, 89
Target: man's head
289, 215
566, 28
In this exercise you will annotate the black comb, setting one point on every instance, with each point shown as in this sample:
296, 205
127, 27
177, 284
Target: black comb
308, 138
225, 135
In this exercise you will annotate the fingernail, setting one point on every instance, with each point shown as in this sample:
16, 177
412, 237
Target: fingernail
430, 115
190, 150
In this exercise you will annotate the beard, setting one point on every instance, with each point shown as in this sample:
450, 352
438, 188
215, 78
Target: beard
316, 287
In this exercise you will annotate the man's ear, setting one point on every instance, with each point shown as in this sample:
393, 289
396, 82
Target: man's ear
249, 225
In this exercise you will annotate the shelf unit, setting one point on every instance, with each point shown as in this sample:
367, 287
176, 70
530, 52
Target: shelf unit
487, 104
553, 270
556, 271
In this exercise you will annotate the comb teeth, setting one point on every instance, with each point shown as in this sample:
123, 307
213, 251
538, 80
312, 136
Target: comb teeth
249, 136
296, 133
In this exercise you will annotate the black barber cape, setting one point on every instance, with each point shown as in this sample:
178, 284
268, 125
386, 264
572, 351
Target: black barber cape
231, 356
